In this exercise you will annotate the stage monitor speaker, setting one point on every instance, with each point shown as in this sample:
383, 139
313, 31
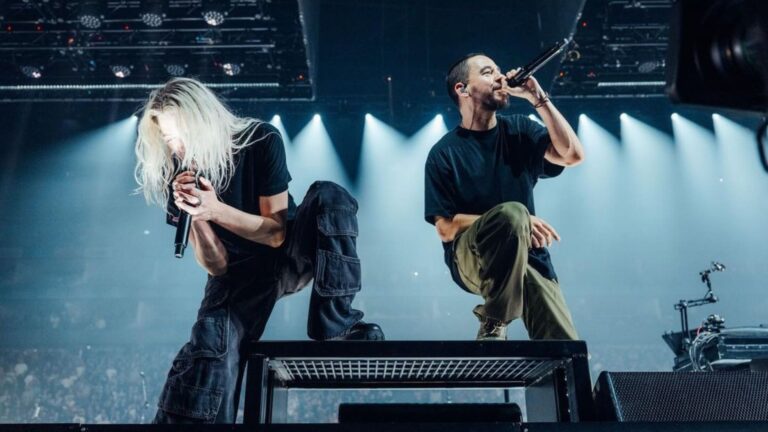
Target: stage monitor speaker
681, 396
430, 413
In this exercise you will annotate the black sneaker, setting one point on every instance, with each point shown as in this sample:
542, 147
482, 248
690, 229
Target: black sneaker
363, 331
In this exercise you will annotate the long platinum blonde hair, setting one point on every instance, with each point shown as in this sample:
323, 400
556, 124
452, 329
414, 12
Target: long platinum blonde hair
212, 135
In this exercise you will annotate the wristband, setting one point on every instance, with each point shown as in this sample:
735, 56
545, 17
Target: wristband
542, 101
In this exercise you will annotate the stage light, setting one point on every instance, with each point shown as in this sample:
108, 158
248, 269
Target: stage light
623, 116
121, 71
231, 69
603, 84
582, 116
439, 117
59, 87
175, 69
367, 116
90, 21
313, 154
152, 13
649, 66
152, 20
277, 122
213, 18
573, 55
213, 12
90, 14
697, 152
31, 71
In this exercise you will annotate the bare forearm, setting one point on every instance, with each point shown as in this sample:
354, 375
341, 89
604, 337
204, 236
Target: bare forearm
564, 139
259, 229
448, 229
210, 252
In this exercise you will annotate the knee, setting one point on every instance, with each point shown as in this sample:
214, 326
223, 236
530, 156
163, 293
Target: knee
329, 195
512, 216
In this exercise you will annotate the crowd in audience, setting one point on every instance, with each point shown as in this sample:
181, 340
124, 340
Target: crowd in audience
80, 385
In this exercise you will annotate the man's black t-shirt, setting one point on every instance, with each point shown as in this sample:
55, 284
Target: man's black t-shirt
470, 172
260, 170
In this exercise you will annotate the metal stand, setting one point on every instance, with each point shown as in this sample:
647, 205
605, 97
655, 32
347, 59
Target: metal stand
684, 305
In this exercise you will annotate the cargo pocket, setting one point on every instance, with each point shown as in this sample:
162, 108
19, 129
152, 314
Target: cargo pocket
195, 403
340, 221
209, 336
336, 274
197, 379
204, 354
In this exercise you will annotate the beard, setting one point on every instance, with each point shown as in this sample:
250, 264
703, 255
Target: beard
491, 103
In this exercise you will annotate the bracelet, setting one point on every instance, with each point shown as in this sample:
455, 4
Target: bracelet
543, 101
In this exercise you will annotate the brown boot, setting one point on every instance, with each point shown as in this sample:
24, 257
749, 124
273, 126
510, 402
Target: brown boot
491, 329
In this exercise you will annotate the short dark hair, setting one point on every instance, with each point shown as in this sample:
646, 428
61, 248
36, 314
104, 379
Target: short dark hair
458, 73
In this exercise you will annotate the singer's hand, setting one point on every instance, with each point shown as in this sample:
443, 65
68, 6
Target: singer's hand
530, 90
202, 204
542, 233
186, 178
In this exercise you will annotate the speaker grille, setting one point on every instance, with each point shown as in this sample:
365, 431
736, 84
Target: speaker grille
670, 396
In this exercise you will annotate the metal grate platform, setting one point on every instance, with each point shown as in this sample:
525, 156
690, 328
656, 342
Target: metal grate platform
408, 371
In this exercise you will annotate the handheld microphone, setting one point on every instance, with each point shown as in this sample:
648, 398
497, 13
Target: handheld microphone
182, 233
526, 71
182, 229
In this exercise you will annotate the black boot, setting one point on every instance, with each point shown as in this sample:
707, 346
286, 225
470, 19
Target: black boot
362, 331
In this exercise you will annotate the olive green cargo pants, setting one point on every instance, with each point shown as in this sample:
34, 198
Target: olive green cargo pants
492, 258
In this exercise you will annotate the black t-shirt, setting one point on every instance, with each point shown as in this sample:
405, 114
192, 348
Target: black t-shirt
260, 170
470, 172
